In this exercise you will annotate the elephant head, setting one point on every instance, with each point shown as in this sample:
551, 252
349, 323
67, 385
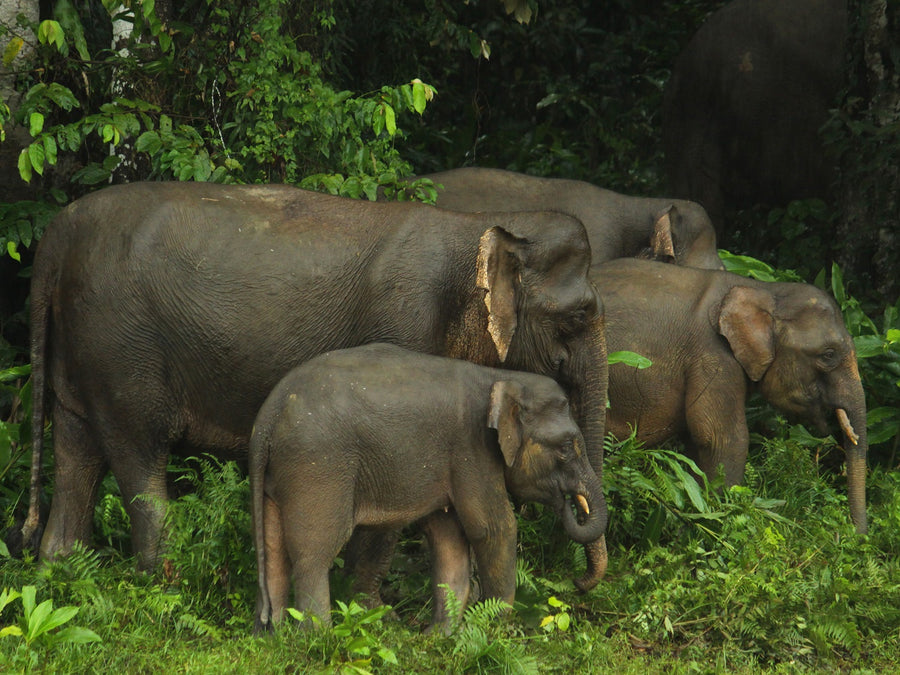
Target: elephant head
544, 455
791, 339
545, 316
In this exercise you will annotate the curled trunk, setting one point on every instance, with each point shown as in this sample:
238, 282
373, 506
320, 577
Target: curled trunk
590, 413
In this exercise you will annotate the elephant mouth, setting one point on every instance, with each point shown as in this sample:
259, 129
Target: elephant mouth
579, 505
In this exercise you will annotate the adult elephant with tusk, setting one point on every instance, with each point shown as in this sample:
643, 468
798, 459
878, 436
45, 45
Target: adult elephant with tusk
164, 313
712, 336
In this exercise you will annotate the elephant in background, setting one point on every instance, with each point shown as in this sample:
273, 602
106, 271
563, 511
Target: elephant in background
380, 436
618, 226
747, 96
163, 314
711, 336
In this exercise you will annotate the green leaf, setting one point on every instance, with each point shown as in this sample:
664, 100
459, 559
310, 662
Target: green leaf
148, 142
562, 621
36, 157
50, 32
71, 22
35, 124
7, 596
50, 149
12, 251
76, 635
629, 359
11, 630
91, 174
25, 165
390, 120
418, 91
60, 616
25, 232
12, 50
62, 96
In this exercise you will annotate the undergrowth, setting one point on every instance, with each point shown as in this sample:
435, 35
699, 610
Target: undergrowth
767, 576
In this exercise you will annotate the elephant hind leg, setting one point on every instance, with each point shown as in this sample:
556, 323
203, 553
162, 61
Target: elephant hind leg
314, 532
79, 469
277, 567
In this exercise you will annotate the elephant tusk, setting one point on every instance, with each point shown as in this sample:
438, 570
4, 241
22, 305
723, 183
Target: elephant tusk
846, 427
582, 502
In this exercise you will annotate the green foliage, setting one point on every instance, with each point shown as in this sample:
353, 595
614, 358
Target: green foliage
208, 548
351, 644
878, 352
484, 642
272, 116
37, 627
755, 269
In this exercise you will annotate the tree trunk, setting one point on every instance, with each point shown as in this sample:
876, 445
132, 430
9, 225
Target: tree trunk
869, 193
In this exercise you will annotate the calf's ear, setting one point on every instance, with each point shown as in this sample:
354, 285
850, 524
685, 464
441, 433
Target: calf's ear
746, 319
503, 416
497, 273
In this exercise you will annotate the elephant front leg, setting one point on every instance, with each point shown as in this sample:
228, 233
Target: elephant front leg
717, 424
450, 568
368, 557
493, 539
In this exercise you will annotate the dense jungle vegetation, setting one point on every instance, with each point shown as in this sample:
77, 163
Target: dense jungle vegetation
345, 97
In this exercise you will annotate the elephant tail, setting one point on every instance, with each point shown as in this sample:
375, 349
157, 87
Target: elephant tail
260, 445
42, 284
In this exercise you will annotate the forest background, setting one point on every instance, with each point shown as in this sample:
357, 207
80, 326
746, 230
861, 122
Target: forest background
344, 97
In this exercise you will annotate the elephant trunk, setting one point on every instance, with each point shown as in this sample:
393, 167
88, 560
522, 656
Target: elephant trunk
588, 528
597, 558
853, 424
850, 408
590, 412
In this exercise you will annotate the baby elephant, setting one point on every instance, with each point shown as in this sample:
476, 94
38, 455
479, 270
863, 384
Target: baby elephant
379, 436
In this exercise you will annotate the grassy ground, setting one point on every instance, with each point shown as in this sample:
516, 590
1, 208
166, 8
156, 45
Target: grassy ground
767, 577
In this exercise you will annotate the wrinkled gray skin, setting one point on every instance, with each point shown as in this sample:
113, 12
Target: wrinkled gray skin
164, 313
381, 436
618, 226
746, 99
712, 336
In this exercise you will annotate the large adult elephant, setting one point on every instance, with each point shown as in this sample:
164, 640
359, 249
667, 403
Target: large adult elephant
618, 225
164, 313
746, 99
712, 335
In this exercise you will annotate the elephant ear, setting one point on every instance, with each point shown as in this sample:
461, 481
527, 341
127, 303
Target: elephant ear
504, 417
498, 274
661, 241
746, 319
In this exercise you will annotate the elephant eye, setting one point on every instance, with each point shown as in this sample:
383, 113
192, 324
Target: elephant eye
574, 322
828, 356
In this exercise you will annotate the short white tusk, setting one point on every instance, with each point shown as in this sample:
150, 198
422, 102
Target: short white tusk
582, 502
846, 427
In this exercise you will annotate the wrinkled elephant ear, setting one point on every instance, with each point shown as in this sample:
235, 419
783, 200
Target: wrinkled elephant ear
497, 273
661, 241
504, 417
746, 319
